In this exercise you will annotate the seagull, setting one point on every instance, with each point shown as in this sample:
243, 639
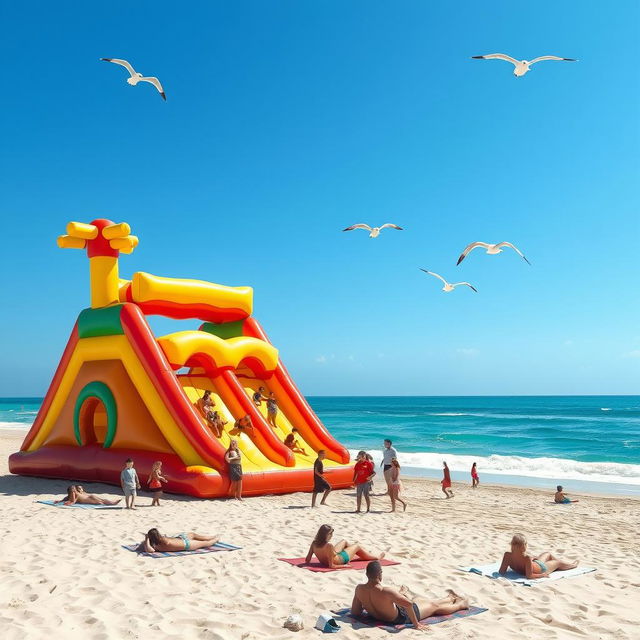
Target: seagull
492, 249
521, 66
375, 231
137, 77
447, 286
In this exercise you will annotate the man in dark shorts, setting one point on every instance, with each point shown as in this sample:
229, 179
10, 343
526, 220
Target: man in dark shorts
388, 454
389, 605
320, 485
363, 473
259, 396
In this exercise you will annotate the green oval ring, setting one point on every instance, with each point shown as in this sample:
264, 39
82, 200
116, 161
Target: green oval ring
103, 393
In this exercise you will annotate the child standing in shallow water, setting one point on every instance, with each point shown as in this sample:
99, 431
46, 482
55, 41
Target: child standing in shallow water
129, 483
155, 481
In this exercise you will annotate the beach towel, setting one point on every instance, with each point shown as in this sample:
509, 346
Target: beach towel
315, 566
218, 546
491, 571
368, 620
53, 503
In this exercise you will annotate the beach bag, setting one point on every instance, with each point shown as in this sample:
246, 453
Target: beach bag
327, 624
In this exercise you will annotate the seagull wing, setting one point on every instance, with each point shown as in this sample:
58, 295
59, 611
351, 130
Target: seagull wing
497, 56
390, 225
358, 226
122, 63
541, 58
431, 273
508, 244
156, 83
470, 248
467, 284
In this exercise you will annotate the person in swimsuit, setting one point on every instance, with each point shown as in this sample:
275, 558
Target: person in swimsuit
242, 425
272, 409
77, 495
394, 606
539, 566
292, 442
259, 396
338, 555
388, 453
190, 541
320, 485
155, 482
363, 472
232, 456
446, 481
561, 498
475, 479
206, 406
396, 485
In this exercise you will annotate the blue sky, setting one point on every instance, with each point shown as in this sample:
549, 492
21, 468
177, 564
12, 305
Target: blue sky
287, 121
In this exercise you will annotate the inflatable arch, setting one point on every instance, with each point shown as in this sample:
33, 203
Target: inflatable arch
119, 391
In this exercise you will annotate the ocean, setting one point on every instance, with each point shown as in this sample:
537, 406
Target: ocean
586, 443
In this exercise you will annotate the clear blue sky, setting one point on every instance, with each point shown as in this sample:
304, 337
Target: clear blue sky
289, 120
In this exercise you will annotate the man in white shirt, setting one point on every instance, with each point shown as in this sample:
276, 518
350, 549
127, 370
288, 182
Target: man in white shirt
388, 453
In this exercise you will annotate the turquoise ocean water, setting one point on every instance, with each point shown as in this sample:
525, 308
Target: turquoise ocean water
583, 442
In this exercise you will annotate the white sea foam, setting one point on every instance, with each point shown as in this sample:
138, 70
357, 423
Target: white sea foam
552, 468
14, 425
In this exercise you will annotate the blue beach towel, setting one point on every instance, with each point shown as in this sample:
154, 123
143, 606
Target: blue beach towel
491, 571
218, 546
345, 614
53, 503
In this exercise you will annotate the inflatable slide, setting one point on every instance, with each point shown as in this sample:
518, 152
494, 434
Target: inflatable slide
119, 391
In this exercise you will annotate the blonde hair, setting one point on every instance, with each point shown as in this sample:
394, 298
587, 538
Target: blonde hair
518, 540
156, 465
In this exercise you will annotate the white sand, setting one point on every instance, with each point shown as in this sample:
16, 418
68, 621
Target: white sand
64, 575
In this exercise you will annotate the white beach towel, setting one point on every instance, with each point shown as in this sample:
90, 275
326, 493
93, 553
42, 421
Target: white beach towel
491, 571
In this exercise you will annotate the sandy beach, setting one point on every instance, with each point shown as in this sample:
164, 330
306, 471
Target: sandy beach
64, 574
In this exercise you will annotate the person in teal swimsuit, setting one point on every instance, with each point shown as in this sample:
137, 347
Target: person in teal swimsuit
561, 497
540, 566
338, 555
188, 541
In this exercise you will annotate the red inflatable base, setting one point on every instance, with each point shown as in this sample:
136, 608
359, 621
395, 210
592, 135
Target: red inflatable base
93, 463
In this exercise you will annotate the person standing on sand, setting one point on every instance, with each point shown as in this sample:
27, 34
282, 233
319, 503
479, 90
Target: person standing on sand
320, 485
446, 481
363, 473
388, 453
394, 606
232, 456
396, 486
129, 483
155, 482
540, 566
475, 479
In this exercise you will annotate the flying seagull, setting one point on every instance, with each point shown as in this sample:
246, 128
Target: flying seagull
492, 249
521, 66
448, 286
137, 77
375, 231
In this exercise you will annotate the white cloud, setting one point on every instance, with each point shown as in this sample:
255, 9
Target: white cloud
321, 359
469, 352
633, 354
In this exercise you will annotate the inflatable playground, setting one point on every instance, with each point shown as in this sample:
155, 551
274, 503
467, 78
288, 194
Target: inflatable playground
121, 392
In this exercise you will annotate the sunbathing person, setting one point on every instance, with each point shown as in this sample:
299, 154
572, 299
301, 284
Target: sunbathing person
395, 606
336, 556
77, 495
539, 566
191, 541
561, 497
292, 442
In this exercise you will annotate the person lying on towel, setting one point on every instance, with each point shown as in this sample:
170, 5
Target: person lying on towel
394, 607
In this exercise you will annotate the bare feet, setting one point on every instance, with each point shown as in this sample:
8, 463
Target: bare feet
381, 555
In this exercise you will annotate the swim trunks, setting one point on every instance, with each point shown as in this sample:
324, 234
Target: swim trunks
345, 557
403, 616
542, 565
185, 539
